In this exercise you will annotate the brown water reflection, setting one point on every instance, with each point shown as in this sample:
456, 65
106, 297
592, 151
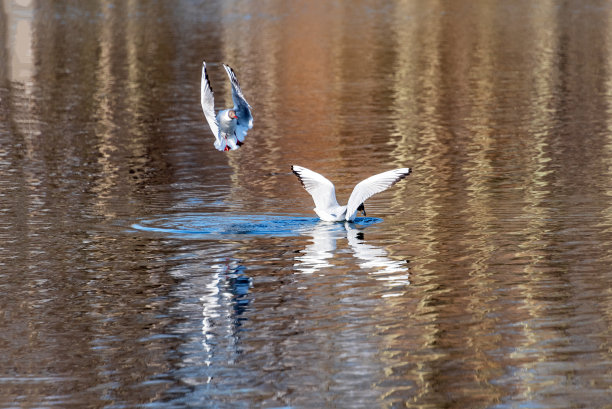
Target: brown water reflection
234, 296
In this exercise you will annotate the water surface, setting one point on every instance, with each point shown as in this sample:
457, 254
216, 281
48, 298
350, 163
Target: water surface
140, 267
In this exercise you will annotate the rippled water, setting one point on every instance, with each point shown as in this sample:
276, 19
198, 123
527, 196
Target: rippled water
139, 267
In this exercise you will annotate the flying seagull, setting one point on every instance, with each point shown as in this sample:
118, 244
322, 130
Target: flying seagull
323, 192
230, 126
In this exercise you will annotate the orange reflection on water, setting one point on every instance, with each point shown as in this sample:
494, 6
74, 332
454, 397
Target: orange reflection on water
502, 110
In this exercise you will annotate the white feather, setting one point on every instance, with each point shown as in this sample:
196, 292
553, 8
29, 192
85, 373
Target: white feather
207, 99
323, 192
241, 106
372, 185
227, 131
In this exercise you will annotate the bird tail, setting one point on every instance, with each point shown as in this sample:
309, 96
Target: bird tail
232, 143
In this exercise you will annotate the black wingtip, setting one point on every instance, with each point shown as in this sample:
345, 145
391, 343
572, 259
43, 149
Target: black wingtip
295, 172
403, 175
206, 77
232, 74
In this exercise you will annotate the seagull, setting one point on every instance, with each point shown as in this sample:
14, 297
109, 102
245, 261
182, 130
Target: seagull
323, 192
230, 126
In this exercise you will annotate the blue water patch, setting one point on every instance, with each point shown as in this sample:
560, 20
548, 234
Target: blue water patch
214, 225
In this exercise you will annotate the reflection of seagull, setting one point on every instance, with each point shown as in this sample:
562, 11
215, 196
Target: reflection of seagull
224, 298
394, 272
316, 255
324, 193
230, 126
325, 235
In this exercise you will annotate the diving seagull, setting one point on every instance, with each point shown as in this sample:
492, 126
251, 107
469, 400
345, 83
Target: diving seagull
230, 126
323, 192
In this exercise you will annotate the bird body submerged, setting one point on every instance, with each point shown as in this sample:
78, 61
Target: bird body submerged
323, 192
229, 126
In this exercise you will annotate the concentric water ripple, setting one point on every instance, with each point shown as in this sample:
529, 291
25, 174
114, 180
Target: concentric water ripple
220, 225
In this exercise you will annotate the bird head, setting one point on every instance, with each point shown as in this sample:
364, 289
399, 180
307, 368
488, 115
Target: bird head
362, 209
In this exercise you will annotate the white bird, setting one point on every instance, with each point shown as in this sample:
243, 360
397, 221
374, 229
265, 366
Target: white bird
230, 126
323, 192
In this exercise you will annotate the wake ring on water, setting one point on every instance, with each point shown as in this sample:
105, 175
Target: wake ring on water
197, 225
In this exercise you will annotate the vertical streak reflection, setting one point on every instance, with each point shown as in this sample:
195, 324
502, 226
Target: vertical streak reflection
107, 126
537, 191
19, 16
217, 298
417, 135
607, 213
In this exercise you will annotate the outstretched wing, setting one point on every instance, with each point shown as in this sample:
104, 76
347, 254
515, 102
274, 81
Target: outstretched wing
208, 102
241, 106
371, 186
322, 190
